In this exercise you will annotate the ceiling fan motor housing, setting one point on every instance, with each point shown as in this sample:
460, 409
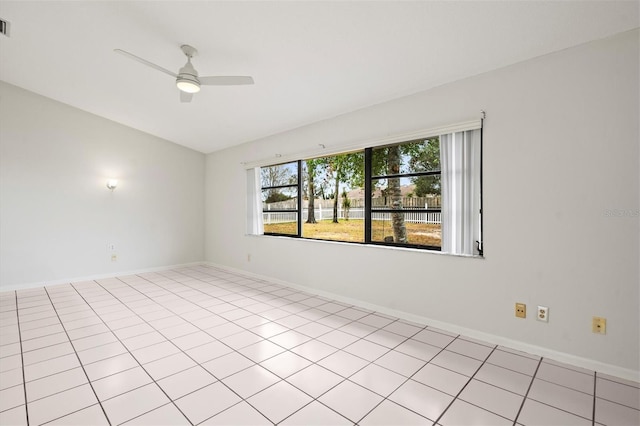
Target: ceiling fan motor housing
187, 80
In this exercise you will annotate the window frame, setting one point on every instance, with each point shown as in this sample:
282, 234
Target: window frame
298, 210
363, 146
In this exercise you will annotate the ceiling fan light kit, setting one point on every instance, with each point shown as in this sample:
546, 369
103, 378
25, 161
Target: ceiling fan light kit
187, 79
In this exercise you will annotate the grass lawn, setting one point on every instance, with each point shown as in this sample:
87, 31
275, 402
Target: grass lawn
353, 231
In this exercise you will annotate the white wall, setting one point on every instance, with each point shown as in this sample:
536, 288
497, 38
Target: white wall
561, 147
56, 214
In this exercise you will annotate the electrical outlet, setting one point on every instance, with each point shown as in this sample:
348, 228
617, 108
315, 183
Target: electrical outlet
114, 257
521, 310
543, 314
599, 325
111, 247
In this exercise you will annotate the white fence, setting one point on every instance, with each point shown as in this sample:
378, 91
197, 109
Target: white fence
357, 213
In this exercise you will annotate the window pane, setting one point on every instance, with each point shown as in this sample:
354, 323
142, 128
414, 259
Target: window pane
280, 198
281, 174
281, 223
417, 156
419, 228
333, 203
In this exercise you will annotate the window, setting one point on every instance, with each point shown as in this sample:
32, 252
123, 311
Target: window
421, 193
280, 186
404, 183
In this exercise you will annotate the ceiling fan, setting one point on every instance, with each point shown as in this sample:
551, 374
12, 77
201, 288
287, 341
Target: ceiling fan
187, 78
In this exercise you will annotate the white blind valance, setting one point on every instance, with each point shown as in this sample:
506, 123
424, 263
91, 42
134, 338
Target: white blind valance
317, 151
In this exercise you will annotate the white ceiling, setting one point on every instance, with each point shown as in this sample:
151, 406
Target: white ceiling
310, 60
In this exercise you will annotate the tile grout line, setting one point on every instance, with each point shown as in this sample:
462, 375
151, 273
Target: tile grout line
526, 395
595, 384
24, 380
79, 360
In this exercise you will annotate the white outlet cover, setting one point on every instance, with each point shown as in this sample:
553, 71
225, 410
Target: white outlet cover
542, 314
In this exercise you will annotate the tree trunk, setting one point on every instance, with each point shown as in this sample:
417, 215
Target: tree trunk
395, 194
335, 199
311, 215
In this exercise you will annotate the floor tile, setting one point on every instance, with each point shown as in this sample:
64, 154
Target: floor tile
119, 383
11, 397
563, 398
250, 381
456, 362
192, 340
55, 383
314, 350
315, 414
343, 363
11, 378
619, 393
565, 377
49, 352
403, 329
241, 340
313, 329
92, 415
269, 329
385, 338
441, 379
433, 338
172, 364
109, 366
351, 400
366, 350
610, 413
14, 417
279, 401
463, 413
155, 352
134, 403
422, 399
358, 329
470, 349
227, 365
207, 402
289, 339
491, 398
49, 367
506, 379
285, 364
536, 413
168, 415
94, 341
513, 362
43, 342
378, 379
377, 321
61, 404
187, 381
314, 380
400, 363
389, 413
10, 362
101, 352
208, 351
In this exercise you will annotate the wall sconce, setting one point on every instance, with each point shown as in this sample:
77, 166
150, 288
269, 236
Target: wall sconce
112, 183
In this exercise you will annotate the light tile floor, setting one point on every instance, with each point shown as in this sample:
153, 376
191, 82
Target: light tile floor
204, 346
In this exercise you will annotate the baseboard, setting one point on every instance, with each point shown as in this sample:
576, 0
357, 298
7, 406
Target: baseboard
95, 277
563, 357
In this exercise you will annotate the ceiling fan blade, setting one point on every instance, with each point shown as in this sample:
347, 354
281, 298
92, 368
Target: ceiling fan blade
145, 62
233, 80
185, 97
